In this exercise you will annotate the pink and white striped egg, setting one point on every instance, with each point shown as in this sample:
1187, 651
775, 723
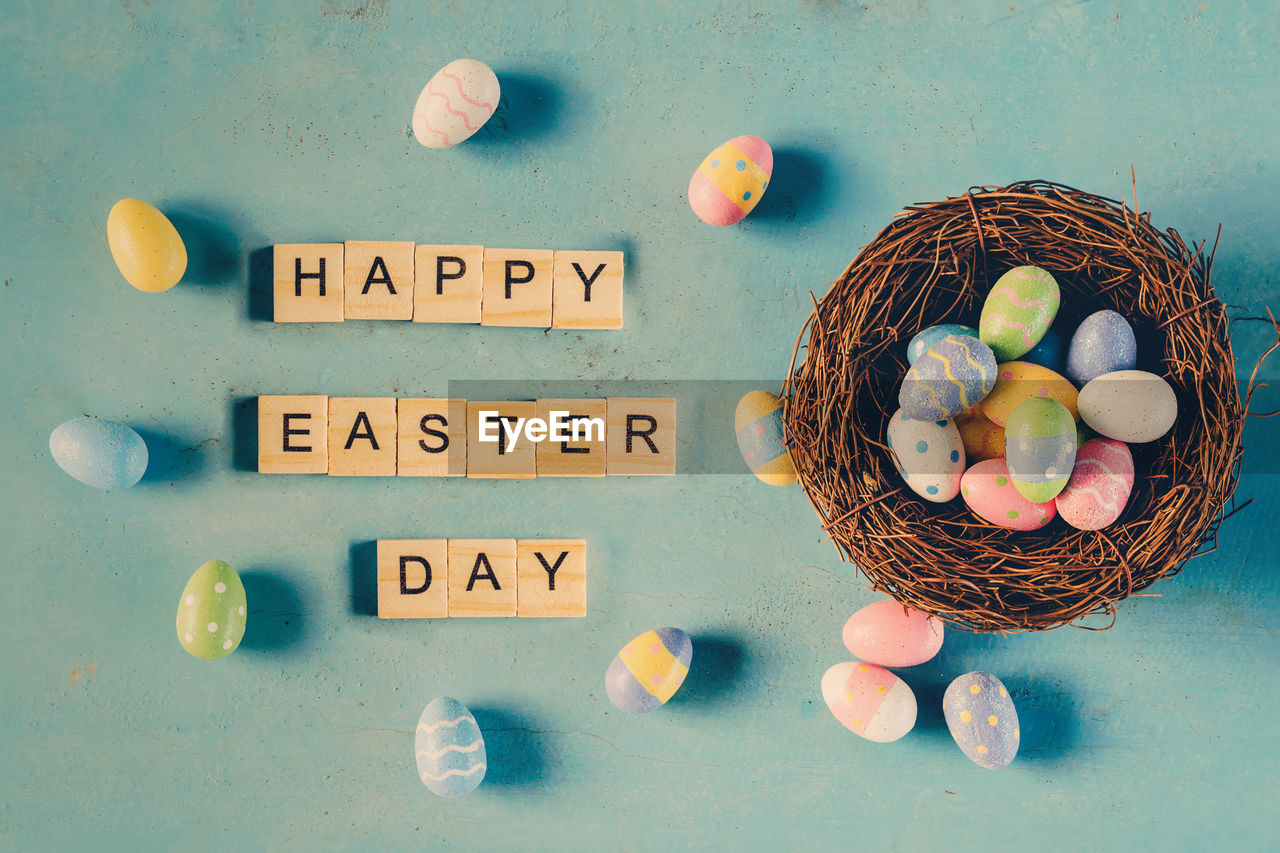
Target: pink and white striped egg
869, 701
1100, 485
456, 103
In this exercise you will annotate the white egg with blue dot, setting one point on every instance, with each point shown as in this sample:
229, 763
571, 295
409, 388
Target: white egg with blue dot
928, 454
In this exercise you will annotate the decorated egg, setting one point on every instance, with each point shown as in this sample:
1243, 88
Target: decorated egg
889, 634
1103, 343
929, 455
449, 748
1018, 311
1017, 381
982, 719
1040, 448
731, 180
758, 424
869, 701
1132, 406
988, 491
1048, 353
98, 453
949, 377
981, 438
1100, 484
145, 246
211, 612
649, 670
926, 338
455, 103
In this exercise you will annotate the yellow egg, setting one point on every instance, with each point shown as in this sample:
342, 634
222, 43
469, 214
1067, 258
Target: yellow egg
1021, 380
145, 245
981, 438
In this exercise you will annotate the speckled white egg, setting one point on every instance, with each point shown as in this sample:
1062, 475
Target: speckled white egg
1132, 406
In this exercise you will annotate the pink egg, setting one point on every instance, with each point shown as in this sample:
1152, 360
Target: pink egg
889, 634
869, 701
989, 492
1100, 484
731, 180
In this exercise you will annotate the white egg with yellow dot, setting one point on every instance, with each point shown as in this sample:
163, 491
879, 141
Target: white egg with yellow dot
982, 719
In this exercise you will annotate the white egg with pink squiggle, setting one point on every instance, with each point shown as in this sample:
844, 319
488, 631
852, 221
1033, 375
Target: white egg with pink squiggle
1100, 484
456, 103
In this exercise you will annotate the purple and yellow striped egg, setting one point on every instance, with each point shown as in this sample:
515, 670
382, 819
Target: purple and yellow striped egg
758, 424
649, 670
1018, 311
950, 377
731, 180
869, 701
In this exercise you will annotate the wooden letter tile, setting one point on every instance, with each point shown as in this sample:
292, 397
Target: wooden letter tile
362, 436
552, 577
378, 280
517, 287
413, 578
431, 438
573, 458
449, 284
307, 283
497, 458
482, 577
641, 437
293, 435
587, 290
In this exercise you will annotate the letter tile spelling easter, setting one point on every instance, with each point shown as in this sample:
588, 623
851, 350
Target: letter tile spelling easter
948, 378
929, 455
869, 701
757, 423
1018, 311
1040, 442
1103, 343
456, 102
982, 719
1100, 484
649, 670
99, 453
211, 612
731, 180
889, 634
450, 749
988, 491
926, 338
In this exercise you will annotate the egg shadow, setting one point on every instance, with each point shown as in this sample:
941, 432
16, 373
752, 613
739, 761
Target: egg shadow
802, 182
364, 578
716, 673
213, 246
172, 457
275, 621
244, 433
261, 298
528, 109
516, 749
1049, 719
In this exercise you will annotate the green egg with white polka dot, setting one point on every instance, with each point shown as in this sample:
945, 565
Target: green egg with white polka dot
211, 612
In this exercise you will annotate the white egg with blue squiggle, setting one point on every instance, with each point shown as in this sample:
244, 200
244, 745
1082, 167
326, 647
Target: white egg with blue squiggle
929, 455
449, 748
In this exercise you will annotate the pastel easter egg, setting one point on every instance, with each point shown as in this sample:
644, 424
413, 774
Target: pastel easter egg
1040, 445
926, 338
981, 438
1017, 381
1018, 311
731, 180
145, 246
989, 492
1132, 406
949, 377
869, 701
1103, 343
1048, 353
455, 103
1100, 484
888, 634
982, 719
99, 453
449, 747
758, 424
211, 611
649, 670
929, 455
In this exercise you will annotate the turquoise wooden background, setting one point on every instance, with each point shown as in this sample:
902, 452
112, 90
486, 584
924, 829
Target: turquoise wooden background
254, 123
